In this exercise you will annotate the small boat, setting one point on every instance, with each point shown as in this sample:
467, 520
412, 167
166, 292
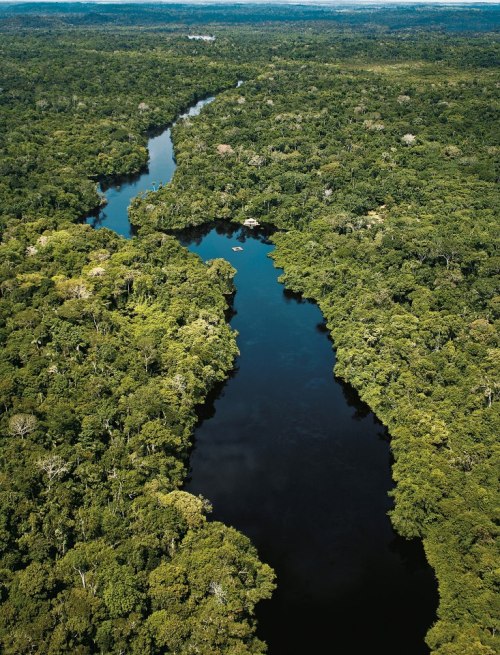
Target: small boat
237, 248
250, 222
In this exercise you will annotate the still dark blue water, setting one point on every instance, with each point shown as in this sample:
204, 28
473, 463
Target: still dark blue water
291, 457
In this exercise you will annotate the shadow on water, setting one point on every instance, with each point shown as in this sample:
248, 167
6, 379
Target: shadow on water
290, 296
361, 409
322, 328
207, 410
192, 237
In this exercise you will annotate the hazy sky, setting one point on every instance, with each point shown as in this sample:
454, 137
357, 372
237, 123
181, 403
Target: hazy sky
333, 3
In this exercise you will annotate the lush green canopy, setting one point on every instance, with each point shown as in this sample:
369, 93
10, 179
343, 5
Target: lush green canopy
375, 154
108, 346
382, 177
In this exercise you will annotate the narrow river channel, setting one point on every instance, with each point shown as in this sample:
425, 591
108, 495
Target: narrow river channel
290, 456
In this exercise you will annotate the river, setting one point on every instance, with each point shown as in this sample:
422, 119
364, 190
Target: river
291, 457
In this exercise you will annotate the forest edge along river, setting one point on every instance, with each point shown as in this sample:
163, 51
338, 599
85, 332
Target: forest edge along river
291, 457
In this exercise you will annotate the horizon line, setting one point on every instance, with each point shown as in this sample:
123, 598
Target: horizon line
302, 3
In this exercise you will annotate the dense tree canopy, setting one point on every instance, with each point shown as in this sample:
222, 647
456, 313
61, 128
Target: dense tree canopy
382, 179
108, 346
375, 153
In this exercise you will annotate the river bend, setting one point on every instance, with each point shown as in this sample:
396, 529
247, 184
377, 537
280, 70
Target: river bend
291, 457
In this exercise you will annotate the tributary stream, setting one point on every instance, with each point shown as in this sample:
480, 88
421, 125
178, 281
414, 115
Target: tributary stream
291, 457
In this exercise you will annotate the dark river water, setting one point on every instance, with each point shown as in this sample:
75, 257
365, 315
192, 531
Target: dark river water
292, 458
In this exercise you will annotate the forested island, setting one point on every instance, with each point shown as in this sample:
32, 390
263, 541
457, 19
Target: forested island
367, 141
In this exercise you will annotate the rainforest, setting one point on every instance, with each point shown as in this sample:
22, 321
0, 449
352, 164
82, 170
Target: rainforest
220, 439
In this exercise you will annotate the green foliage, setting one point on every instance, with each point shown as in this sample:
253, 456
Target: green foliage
121, 342
376, 154
108, 346
382, 177
88, 116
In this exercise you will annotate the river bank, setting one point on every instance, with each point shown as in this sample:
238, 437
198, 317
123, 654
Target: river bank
290, 456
